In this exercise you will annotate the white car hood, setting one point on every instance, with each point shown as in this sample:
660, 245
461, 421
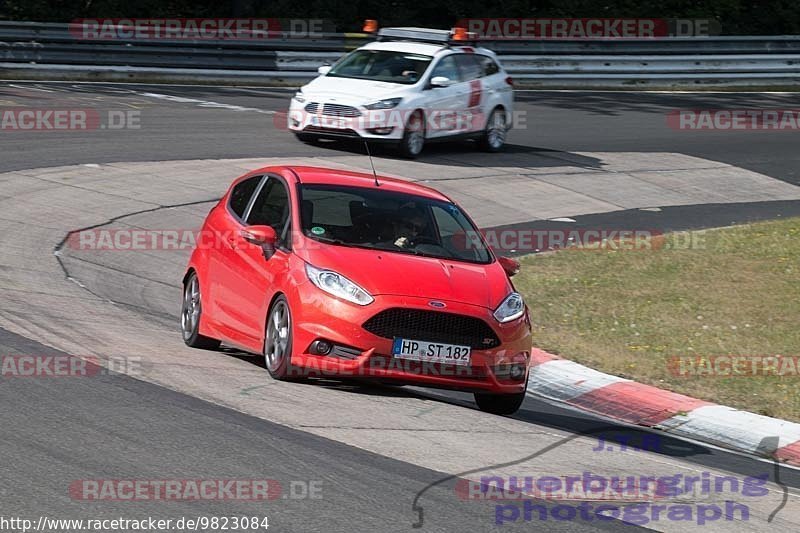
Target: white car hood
351, 91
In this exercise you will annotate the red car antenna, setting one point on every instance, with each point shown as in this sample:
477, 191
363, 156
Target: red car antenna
366, 145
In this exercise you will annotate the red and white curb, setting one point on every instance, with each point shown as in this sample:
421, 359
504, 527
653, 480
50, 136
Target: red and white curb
579, 387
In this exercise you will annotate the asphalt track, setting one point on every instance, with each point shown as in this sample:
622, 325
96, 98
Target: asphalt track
555, 120
374, 448
111, 426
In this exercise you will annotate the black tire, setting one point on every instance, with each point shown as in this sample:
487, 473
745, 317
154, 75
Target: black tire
413, 136
306, 138
500, 404
279, 365
191, 315
493, 138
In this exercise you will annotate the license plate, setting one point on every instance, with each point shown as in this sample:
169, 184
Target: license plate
329, 122
336, 123
435, 352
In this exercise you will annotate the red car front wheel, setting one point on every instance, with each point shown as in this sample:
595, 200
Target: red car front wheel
501, 404
278, 341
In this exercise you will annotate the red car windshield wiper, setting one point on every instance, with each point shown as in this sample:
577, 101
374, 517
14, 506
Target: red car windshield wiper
331, 240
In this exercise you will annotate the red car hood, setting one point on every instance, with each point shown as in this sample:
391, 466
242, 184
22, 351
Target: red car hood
400, 274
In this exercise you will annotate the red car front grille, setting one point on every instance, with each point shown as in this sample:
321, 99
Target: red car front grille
433, 326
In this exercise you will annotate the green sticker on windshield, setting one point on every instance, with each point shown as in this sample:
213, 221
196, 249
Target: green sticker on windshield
316, 230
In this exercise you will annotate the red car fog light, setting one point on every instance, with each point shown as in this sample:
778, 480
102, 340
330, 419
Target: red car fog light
513, 370
517, 372
332, 349
510, 372
320, 347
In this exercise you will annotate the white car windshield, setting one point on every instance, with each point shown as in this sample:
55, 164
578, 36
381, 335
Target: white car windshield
382, 65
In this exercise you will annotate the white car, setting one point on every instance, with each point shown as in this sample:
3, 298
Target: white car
411, 86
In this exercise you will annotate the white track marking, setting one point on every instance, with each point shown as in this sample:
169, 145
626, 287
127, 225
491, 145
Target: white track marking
204, 103
564, 380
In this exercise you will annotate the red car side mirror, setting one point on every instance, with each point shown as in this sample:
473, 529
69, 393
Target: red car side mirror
263, 236
511, 266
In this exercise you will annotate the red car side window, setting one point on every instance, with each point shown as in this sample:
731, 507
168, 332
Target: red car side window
241, 193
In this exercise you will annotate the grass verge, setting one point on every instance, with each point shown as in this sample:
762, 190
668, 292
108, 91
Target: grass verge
735, 291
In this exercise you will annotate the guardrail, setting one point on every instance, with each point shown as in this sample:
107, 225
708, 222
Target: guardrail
46, 50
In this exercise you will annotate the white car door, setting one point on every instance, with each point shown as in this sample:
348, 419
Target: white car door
443, 104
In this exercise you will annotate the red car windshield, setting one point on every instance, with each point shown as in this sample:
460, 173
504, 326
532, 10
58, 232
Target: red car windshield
390, 221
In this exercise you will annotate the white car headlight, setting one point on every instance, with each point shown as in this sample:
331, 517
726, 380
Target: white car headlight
510, 309
338, 285
299, 96
389, 103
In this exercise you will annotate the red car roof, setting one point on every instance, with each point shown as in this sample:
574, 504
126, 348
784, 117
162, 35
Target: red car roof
329, 176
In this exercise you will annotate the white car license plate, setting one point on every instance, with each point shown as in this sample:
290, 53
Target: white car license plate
436, 352
329, 122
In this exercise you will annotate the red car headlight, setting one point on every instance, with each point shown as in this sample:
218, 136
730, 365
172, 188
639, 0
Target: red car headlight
338, 285
510, 309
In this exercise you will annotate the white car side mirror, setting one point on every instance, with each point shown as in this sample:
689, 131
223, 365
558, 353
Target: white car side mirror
441, 81
324, 69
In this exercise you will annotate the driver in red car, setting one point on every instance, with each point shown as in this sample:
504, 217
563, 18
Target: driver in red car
410, 223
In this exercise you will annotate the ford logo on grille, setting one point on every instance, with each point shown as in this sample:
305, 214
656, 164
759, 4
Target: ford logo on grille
437, 305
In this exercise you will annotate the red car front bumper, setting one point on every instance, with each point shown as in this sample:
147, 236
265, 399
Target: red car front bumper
319, 316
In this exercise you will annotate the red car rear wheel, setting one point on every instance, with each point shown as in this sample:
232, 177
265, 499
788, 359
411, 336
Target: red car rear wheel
191, 314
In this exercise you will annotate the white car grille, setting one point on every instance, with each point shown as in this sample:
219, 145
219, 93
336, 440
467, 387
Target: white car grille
333, 110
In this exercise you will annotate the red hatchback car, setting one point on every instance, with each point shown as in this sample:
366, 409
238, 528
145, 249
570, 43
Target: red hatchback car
335, 273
